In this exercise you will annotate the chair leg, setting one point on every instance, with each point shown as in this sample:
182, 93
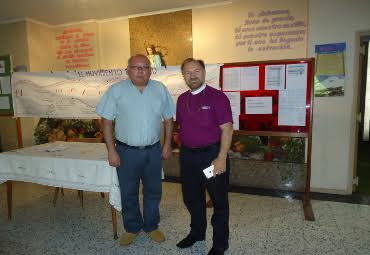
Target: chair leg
9, 193
56, 191
114, 222
62, 191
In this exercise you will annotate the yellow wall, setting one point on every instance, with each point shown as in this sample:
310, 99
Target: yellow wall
114, 42
13, 41
334, 132
212, 34
214, 31
40, 46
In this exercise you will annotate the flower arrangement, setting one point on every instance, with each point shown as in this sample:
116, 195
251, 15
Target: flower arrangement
276, 148
294, 149
49, 130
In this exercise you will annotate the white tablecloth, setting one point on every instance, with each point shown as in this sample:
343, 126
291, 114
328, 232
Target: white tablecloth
82, 166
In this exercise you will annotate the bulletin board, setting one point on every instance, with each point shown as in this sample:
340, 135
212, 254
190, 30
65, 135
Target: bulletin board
6, 104
6, 99
273, 98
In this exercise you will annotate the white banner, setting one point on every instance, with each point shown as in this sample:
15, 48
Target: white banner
75, 94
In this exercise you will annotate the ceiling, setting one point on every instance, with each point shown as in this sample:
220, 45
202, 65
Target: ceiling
56, 12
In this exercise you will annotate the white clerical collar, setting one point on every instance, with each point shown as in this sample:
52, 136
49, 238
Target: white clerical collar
200, 89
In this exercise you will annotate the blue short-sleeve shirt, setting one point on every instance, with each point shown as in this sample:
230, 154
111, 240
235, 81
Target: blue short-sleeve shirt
138, 115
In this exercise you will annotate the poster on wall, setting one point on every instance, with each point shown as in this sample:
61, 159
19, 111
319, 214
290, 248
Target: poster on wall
6, 107
75, 94
2, 66
330, 70
76, 47
267, 30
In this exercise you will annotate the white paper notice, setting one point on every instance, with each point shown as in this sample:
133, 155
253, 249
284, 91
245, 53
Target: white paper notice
258, 105
234, 98
4, 103
231, 78
274, 77
296, 76
292, 107
5, 85
249, 78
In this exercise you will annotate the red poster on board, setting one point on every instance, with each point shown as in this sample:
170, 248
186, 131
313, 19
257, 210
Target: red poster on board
275, 96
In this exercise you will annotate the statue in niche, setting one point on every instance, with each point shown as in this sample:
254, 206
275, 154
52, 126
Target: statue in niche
155, 57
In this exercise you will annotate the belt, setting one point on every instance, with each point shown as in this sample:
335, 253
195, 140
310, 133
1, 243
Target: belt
137, 147
202, 149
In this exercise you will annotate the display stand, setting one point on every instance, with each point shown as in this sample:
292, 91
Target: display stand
272, 103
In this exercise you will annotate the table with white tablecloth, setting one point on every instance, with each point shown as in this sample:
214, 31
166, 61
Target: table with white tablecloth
73, 165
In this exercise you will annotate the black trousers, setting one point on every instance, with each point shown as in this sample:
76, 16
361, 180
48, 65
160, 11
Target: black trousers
194, 183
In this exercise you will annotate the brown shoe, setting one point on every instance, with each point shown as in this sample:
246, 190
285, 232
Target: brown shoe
157, 236
209, 203
127, 238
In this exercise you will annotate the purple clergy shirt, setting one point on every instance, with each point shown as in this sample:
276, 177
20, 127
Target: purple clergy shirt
201, 115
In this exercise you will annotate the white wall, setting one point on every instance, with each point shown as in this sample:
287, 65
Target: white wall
334, 135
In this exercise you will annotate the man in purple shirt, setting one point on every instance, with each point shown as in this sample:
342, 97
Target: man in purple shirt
205, 121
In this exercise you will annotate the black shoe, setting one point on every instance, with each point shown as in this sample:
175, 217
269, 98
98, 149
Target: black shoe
217, 251
187, 242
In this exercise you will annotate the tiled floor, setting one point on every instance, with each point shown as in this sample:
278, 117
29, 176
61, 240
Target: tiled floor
258, 225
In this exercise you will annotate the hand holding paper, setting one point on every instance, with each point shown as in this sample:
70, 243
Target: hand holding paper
208, 172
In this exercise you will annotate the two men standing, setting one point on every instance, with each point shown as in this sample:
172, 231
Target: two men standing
138, 106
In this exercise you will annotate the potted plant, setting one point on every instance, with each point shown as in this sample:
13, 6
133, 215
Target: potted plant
294, 149
268, 154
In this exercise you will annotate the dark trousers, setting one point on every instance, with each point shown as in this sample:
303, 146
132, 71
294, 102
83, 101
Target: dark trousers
136, 165
194, 183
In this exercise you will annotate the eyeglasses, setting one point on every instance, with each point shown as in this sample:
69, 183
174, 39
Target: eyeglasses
140, 68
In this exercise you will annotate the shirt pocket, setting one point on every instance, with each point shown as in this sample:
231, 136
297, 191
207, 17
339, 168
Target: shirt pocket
156, 106
205, 116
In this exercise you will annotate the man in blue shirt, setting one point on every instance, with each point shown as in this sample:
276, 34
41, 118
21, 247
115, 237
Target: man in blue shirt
138, 105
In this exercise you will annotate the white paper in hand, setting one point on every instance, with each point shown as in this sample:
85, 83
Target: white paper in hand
208, 172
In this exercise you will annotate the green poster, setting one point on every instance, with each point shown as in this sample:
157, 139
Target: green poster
6, 104
5, 65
